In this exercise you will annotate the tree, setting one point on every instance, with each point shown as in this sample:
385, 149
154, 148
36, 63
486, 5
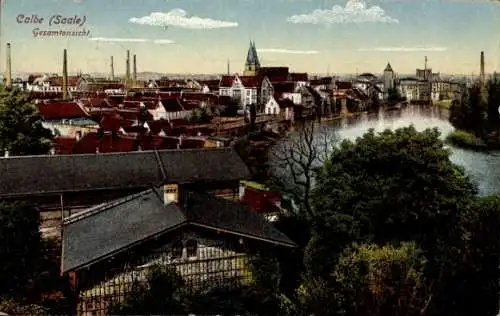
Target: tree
200, 116
393, 96
163, 292
382, 280
295, 161
20, 245
392, 187
21, 130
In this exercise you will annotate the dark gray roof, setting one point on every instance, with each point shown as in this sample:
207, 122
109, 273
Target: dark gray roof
233, 217
35, 175
104, 231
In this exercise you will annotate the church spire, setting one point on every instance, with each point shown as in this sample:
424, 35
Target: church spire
252, 63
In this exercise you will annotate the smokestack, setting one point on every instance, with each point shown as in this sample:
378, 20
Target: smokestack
127, 74
112, 69
482, 74
8, 70
65, 76
134, 76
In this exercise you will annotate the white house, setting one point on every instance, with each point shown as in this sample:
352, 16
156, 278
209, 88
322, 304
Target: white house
172, 109
282, 107
240, 88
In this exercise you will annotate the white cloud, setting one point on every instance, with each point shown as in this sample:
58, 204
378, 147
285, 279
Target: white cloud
180, 18
403, 49
163, 41
286, 51
355, 11
111, 39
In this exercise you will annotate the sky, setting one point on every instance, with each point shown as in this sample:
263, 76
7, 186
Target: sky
201, 36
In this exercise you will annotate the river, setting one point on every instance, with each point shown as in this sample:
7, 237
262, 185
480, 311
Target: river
483, 168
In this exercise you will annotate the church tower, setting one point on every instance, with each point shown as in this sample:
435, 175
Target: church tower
388, 79
252, 64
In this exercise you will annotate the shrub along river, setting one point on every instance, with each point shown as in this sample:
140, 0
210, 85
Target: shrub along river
482, 167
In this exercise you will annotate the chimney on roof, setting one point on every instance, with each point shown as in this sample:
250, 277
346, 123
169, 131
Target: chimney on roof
482, 74
112, 69
134, 76
65, 76
127, 70
8, 70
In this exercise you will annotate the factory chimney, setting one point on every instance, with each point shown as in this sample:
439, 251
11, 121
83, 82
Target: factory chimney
127, 74
8, 70
134, 75
65, 76
482, 74
112, 69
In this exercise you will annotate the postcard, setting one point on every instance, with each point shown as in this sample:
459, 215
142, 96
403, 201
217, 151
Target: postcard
278, 157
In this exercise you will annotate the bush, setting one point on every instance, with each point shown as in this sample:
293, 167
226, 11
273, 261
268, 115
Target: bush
465, 139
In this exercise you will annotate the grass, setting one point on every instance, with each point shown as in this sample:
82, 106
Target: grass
465, 139
444, 104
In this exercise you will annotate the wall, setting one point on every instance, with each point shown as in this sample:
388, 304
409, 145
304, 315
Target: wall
214, 260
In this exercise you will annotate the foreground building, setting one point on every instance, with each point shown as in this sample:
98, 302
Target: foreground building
205, 238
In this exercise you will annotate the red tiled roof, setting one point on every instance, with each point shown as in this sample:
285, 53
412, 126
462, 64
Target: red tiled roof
274, 74
343, 85
58, 81
106, 144
249, 81
64, 145
150, 104
261, 201
299, 76
128, 114
113, 122
151, 142
61, 110
226, 81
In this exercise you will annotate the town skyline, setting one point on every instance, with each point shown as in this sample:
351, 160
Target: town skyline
193, 36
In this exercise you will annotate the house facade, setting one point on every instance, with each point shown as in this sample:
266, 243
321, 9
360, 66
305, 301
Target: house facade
199, 236
242, 89
280, 107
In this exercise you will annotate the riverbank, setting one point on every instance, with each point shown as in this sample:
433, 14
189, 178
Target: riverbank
466, 140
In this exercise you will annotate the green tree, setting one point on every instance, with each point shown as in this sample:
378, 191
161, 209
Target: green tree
20, 245
382, 280
392, 187
164, 292
200, 116
21, 130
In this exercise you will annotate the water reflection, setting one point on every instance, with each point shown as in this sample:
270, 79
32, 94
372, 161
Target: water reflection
483, 168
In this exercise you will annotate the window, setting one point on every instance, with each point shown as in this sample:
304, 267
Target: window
275, 111
192, 248
177, 249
